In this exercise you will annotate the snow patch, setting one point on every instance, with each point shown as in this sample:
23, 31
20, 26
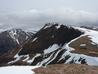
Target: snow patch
17, 59
82, 45
53, 57
27, 57
13, 34
45, 60
90, 33
17, 70
31, 60
51, 48
34, 39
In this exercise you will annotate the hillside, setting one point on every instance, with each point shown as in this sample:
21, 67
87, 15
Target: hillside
67, 69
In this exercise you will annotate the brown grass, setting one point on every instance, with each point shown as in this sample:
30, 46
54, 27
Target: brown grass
67, 69
89, 49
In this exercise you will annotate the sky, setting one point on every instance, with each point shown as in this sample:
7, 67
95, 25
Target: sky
21, 13
21, 5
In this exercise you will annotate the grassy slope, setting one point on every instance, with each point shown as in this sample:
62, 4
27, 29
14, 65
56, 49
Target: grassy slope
67, 69
89, 49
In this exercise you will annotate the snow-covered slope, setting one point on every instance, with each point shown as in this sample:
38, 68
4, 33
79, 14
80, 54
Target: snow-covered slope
91, 34
17, 70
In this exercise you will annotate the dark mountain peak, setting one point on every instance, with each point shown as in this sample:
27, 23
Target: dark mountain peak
47, 36
55, 25
47, 25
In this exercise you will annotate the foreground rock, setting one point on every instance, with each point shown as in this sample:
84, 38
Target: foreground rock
67, 69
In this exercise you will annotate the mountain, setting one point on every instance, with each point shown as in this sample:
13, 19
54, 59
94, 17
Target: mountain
52, 44
10, 41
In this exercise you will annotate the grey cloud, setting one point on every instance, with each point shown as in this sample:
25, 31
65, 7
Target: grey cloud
33, 19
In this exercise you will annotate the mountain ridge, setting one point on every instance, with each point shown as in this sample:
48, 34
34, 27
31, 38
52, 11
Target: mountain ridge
49, 45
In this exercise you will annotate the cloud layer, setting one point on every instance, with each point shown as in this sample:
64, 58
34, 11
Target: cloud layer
33, 19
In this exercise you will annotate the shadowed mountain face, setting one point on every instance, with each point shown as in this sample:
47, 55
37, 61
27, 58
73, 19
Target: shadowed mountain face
48, 36
47, 46
12, 39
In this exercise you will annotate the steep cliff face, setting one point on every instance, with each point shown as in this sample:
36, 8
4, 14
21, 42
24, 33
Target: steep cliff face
49, 45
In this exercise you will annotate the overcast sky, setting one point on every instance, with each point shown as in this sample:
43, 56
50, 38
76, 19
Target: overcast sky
20, 5
35, 12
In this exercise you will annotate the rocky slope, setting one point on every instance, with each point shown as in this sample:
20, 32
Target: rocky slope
52, 44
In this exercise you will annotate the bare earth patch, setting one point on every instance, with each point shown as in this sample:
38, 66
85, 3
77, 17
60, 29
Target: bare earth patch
85, 46
67, 69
